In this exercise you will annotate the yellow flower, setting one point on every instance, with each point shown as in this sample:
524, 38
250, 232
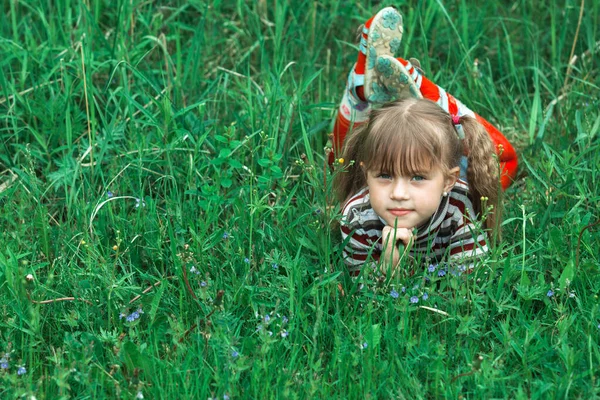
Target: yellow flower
341, 160
115, 247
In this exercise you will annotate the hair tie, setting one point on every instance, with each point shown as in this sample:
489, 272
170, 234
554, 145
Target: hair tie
458, 126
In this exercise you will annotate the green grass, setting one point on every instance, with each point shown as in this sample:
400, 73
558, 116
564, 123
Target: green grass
215, 117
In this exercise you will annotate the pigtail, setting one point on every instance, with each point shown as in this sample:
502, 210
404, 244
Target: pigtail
483, 173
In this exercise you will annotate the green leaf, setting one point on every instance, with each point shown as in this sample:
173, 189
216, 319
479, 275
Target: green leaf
218, 161
595, 128
234, 163
234, 144
556, 237
224, 153
567, 275
156, 301
132, 358
277, 172
375, 335
85, 284
264, 162
525, 281
535, 109
306, 243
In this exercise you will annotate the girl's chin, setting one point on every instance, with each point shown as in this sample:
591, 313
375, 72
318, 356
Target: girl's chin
396, 223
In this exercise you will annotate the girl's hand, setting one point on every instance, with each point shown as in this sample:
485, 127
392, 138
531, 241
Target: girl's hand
389, 235
390, 238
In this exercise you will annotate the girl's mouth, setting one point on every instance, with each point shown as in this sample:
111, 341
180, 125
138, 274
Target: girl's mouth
399, 212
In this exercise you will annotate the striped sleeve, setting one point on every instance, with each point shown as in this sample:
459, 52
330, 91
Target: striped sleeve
361, 230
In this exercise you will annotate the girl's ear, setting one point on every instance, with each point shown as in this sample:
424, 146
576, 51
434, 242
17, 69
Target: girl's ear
451, 178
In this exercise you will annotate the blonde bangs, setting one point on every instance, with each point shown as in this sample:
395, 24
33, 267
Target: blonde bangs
404, 152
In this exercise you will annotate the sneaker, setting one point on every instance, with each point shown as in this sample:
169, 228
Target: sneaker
384, 36
390, 81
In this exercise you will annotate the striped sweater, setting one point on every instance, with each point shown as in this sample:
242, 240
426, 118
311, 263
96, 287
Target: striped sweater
450, 234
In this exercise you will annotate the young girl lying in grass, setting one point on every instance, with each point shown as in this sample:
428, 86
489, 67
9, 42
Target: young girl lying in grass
402, 186
402, 183
378, 77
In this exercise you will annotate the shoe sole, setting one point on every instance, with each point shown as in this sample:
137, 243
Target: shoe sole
384, 38
391, 81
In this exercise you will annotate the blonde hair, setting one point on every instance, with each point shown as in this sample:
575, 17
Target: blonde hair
411, 135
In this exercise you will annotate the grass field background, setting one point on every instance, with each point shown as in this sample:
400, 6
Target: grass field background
168, 229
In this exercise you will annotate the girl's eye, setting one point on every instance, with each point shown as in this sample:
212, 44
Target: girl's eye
418, 178
384, 175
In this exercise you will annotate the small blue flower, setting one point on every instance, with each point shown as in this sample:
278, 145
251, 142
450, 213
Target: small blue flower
4, 363
234, 354
365, 345
414, 299
267, 318
284, 334
135, 315
550, 293
22, 370
270, 333
203, 284
598, 326
284, 319
390, 19
431, 268
395, 45
275, 265
122, 315
247, 260
225, 397
194, 270
225, 236
425, 296
109, 194
139, 202
140, 311
442, 272
403, 289
318, 211
394, 294
130, 318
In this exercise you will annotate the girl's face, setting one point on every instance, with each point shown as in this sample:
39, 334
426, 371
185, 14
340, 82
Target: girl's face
408, 201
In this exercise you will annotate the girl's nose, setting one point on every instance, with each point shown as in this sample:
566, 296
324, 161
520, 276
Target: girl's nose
399, 190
